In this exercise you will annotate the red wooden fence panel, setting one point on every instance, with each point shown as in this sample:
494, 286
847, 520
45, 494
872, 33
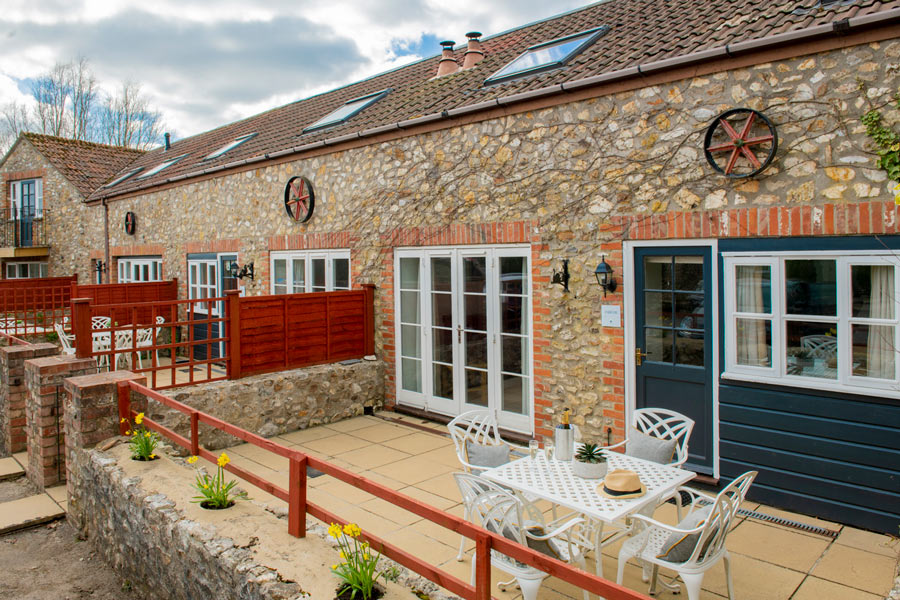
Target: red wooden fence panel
33, 306
279, 332
129, 293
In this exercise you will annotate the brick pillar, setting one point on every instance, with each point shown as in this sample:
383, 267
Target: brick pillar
43, 412
12, 393
91, 415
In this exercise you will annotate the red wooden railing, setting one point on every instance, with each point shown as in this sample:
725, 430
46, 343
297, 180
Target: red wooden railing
299, 507
286, 331
183, 319
34, 306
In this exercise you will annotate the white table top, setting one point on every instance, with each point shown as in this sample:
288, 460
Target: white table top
553, 480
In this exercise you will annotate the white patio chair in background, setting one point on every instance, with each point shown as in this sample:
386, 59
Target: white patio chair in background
819, 346
496, 509
694, 545
65, 339
100, 322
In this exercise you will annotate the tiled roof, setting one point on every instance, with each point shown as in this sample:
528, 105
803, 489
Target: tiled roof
642, 32
86, 165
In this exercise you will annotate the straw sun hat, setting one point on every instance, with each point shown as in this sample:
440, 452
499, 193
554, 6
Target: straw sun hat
621, 485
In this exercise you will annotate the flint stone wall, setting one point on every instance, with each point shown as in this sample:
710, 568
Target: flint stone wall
276, 403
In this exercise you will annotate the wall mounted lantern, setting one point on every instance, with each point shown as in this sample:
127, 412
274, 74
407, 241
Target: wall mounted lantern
100, 267
604, 275
562, 277
239, 272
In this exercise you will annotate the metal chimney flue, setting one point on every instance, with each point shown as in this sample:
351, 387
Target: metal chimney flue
474, 54
448, 63
168, 141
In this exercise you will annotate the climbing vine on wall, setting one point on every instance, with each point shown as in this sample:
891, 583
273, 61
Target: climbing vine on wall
887, 142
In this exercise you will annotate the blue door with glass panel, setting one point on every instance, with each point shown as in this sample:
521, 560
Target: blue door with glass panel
26, 213
673, 340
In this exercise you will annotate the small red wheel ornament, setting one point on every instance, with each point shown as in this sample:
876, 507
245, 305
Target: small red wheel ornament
299, 199
130, 222
740, 142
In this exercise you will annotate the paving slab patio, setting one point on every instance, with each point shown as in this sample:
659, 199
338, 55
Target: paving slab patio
10, 468
408, 454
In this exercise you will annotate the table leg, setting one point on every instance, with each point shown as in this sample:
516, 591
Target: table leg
598, 550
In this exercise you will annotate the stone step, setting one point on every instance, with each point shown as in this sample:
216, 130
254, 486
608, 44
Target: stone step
27, 512
10, 468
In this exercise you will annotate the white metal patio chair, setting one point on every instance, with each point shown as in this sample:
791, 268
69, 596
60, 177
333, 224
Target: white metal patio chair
148, 337
65, 339
702, 536
100, 322
663, 424
496, 509
819, 346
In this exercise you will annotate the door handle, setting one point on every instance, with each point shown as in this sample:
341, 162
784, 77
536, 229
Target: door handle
639, 356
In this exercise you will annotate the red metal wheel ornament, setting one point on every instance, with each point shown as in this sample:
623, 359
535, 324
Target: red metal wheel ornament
130, 222
299, 199
740, 142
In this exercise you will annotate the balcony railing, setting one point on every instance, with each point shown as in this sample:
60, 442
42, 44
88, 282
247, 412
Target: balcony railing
23, 228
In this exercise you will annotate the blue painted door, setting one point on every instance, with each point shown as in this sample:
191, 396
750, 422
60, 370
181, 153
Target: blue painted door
673, 340
26, 213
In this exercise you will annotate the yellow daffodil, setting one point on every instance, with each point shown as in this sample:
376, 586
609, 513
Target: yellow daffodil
342, 555
223, 460
152, 456
193, 459
139, 418
367, 557
122, 420
146, 434
205, 486
128, 432
334, 530
352, 530
334, 567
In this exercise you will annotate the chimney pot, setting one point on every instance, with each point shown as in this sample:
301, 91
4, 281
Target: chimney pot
168, 141
474, 54
447, 63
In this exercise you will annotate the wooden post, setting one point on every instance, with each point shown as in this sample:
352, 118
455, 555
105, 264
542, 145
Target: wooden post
482, 567
81, 327
233, 320
195, 433
369, 309
124, 390
297, 496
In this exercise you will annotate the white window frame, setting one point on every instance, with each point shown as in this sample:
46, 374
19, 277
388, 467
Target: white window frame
329, 256
128, 265
15, 197
845, 380
40, 266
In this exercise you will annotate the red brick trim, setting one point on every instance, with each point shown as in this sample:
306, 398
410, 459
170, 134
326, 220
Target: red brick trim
135, 250
312, 241
862, 218
17, 175
212, 246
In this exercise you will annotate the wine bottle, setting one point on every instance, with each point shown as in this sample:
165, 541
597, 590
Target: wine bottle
565, 420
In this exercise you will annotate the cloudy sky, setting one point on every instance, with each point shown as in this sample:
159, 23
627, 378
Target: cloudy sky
204, 63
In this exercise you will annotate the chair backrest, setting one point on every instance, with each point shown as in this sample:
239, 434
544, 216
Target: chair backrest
63, 337
666, 425
476, 426
497, 510
716, 526
100, 322
819, 346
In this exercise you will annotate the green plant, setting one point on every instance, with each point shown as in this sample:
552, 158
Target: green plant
590, 453
359, 564
887, 142
215, 492
143, 442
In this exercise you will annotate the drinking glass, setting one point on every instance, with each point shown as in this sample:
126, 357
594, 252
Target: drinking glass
533, 446
549, 449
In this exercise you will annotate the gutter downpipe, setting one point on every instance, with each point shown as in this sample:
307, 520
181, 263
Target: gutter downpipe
106, 239
732, 50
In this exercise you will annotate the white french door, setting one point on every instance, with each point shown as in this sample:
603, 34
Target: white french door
464, 331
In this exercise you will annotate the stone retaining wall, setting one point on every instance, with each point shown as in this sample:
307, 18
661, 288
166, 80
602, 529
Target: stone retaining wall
277, 403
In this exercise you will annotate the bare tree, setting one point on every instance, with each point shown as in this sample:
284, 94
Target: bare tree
82, 86
50, 92
15, 118
128, 120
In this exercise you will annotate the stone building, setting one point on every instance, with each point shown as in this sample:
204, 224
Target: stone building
754, 253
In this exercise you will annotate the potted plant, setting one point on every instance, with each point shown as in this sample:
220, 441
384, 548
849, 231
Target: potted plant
590, 462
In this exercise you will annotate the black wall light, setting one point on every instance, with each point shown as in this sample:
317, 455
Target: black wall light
240, 272
604, 275
562, 277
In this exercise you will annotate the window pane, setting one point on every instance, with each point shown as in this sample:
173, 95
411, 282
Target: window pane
476, 350
514, 394
476, 387
753, 288
512, 275
411, 374
512, 317
658, 272
410, 341
10, 271
441, 309
873, 291
754, 342
874, 351
409, 307
689, 312
810, 287
473, 268
659, 344
298, 275
442, 344
658, 308
443, 381
341, 273
476, 312
440, 274
688, 273
318, 275
811, 349
513, 350
689, 348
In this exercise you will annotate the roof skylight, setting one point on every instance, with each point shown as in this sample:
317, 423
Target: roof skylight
547, 55
230, 146
123, 177
161, 166
344, 112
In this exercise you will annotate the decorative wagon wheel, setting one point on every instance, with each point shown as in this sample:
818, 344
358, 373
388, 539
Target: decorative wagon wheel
130, 222
299, 199
740, 142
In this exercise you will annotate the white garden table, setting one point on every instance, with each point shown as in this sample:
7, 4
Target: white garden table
553, 480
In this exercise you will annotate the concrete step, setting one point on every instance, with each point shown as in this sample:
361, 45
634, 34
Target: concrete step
27, 512
10, 468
